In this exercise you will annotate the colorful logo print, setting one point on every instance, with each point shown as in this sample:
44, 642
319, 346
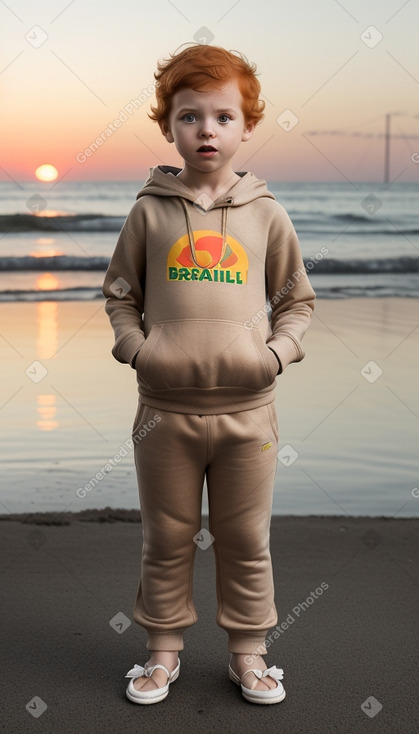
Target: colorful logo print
210, 262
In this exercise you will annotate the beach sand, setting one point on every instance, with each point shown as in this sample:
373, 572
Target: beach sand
349, 411
346, 637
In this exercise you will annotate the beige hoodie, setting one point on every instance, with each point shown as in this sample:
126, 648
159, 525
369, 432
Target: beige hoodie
187, 290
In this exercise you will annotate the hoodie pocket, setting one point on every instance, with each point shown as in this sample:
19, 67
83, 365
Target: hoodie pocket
200, 353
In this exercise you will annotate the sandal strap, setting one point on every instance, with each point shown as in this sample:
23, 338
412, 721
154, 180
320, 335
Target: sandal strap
151, 670
273, 672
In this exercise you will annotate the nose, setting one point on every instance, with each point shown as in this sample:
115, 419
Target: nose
207, 130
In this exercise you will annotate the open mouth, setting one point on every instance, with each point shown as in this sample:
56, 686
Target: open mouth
207, 149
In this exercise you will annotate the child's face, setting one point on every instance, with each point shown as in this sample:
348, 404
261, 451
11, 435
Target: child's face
213, 118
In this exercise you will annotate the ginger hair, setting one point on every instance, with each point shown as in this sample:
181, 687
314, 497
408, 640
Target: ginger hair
203, 68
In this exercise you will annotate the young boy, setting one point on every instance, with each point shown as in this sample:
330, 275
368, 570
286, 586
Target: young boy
199, 254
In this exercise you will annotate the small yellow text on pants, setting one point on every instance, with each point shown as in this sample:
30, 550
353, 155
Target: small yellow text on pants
237, 454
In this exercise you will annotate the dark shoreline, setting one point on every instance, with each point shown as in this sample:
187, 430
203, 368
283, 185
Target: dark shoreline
111, 515
107, 514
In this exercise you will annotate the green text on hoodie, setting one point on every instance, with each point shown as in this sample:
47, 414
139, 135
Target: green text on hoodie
187, 289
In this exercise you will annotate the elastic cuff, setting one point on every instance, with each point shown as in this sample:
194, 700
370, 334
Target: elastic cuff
165, 640
286, 350
132, 363
246, 643
280, 370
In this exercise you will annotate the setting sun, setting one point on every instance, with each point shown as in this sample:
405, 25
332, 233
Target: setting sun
46, 172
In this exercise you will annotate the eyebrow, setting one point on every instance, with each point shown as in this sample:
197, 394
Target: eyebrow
193, 109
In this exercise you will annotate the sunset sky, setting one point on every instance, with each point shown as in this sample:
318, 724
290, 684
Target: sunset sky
69, 69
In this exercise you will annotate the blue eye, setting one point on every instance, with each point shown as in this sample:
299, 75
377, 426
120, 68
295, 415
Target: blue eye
226, 118
189, 115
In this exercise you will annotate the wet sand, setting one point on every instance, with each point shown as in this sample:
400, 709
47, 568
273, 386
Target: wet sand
349, 410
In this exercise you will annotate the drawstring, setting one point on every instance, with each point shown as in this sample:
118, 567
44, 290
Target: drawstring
191, 237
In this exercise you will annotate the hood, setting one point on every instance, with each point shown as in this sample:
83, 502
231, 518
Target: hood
162, 181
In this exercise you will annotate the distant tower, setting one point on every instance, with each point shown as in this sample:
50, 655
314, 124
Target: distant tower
387, 150
387, 140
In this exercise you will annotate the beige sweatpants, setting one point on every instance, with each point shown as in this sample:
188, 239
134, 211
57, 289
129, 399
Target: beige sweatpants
237, 453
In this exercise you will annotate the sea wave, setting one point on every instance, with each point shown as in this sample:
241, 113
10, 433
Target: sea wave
350, 217
373, 266
358, 224
362, 288
63, 294
12, 223
53, 263
330, 266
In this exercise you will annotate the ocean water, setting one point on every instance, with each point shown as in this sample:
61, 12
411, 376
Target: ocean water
356, 440
56, 240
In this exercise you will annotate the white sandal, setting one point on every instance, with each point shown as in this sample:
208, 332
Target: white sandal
149, 696
271, 695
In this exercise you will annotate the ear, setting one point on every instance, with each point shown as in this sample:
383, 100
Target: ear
248, 131
166, 131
